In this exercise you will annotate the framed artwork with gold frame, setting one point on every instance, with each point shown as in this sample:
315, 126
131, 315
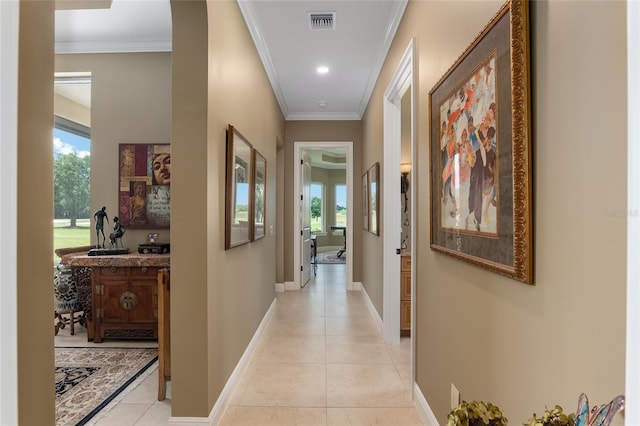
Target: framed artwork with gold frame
239, 205
480, 132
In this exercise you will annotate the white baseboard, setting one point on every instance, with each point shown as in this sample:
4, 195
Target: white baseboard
279, 287
372, 309
356, 286
289, 285
190, 421
223, 400
427, 415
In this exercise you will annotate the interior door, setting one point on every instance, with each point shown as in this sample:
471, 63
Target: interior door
305, 219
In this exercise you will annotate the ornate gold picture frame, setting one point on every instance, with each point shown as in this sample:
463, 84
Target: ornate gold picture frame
239, 199
480, 171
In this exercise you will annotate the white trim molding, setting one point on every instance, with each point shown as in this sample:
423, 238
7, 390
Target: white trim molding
289, 285
632, 371
401, 82
79, 47
9, 18
383, 51
425, 411
372, 309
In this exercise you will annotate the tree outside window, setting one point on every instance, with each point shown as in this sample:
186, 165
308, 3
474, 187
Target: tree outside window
317, 220
341, 205
71, 151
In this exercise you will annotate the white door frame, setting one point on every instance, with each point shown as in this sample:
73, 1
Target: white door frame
632, 375
9, 17
402, 80
297, 156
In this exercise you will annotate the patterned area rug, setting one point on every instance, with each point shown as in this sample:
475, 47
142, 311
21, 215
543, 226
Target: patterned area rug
330, 257
87, 379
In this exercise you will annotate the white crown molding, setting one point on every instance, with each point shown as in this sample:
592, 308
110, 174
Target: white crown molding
323, 116
396, 16
113, 47
261, 46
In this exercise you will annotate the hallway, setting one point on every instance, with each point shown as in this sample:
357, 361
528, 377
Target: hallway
321, 361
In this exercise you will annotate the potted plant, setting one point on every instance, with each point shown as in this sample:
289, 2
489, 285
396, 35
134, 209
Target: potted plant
554, 417
476, 413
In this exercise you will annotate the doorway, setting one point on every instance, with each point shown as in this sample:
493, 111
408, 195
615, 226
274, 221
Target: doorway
399, 107
330, 220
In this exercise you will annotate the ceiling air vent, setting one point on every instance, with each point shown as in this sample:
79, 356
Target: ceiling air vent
322, 20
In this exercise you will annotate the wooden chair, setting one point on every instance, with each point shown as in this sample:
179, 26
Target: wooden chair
164, 336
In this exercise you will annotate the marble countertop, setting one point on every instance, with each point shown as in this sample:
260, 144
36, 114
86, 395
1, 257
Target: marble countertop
122, 260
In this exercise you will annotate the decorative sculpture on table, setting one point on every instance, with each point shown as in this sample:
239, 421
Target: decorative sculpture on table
100, 217
118, 232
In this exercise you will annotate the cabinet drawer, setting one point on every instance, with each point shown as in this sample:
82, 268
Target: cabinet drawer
405, 315
144, 272
107, 272
405, 286
405, 263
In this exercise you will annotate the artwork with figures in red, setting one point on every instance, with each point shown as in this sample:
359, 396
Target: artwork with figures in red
144, 191
468, 153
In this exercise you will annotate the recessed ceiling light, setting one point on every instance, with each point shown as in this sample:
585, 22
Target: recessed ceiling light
322, 104
322, 70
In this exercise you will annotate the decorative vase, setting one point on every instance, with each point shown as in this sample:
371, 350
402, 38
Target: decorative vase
65, 290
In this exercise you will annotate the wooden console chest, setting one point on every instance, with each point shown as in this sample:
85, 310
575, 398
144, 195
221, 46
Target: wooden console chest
124, 294
405, 296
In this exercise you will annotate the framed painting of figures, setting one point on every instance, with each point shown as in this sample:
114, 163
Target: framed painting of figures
144, 190
480, 135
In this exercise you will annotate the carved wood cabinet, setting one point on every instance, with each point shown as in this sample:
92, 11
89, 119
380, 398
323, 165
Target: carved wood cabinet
125, 302
122, 302
405, 296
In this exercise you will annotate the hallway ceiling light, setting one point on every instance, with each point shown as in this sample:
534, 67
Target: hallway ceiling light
322, 70
322, 104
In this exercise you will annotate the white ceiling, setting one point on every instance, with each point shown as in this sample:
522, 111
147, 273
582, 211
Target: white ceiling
335, 159
354, 51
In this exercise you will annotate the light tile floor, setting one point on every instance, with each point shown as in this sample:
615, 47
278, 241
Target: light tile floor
321, 361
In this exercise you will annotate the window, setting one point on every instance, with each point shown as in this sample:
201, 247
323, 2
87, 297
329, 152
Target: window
71, 151
341, 205
317, 207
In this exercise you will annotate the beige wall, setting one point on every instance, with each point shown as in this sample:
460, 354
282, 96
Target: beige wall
526, 347
321, 131
130, 103
222, 296
35, 213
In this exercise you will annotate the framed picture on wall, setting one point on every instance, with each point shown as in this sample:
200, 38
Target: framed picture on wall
480, 128
373, 177
238, 220
144, 190
365, 201
259, 195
